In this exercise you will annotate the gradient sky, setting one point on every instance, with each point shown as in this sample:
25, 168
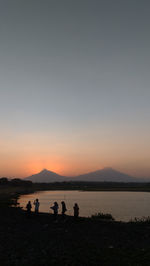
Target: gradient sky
74, 86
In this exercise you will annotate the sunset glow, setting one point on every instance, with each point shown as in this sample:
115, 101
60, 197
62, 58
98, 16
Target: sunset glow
74, 93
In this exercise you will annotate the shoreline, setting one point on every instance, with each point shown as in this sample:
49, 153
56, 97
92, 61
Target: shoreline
39, 240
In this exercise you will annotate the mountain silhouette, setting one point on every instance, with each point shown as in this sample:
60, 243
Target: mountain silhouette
46, 176
106, 174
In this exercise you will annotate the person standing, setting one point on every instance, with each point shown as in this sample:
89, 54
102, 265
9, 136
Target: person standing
55, 208
37, 205
64, 209
76, 210
29, 207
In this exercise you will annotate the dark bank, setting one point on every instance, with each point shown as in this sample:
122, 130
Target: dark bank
39, 240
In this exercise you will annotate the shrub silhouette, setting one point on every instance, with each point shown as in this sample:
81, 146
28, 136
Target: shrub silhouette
102, 216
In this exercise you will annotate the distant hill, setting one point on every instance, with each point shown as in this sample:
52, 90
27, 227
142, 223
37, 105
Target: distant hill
106, 174
46, 176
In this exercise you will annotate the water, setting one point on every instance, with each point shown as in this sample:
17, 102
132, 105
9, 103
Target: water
122, 205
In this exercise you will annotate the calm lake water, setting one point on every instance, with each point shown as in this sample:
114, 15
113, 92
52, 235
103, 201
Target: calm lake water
122, 205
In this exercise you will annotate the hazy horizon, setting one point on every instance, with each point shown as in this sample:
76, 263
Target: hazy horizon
73, 176
74, 86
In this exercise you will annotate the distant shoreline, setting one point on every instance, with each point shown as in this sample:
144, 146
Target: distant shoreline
93, 186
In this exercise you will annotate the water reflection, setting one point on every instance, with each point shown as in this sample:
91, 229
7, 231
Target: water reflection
122, 205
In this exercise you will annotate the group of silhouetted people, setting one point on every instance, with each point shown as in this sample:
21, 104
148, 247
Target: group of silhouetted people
29, 206
55, 208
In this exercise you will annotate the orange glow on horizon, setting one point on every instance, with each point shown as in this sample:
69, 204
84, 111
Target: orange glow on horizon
61, 167
27, 156
37, 166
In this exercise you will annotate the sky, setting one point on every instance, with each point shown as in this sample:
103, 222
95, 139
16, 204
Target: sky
74, 86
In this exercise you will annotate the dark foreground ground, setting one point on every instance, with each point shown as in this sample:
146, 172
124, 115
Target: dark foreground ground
40, 241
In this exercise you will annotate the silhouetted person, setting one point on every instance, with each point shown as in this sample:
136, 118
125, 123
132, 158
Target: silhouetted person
76, 210
63, 209
55, 209
36, 204
29, 207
